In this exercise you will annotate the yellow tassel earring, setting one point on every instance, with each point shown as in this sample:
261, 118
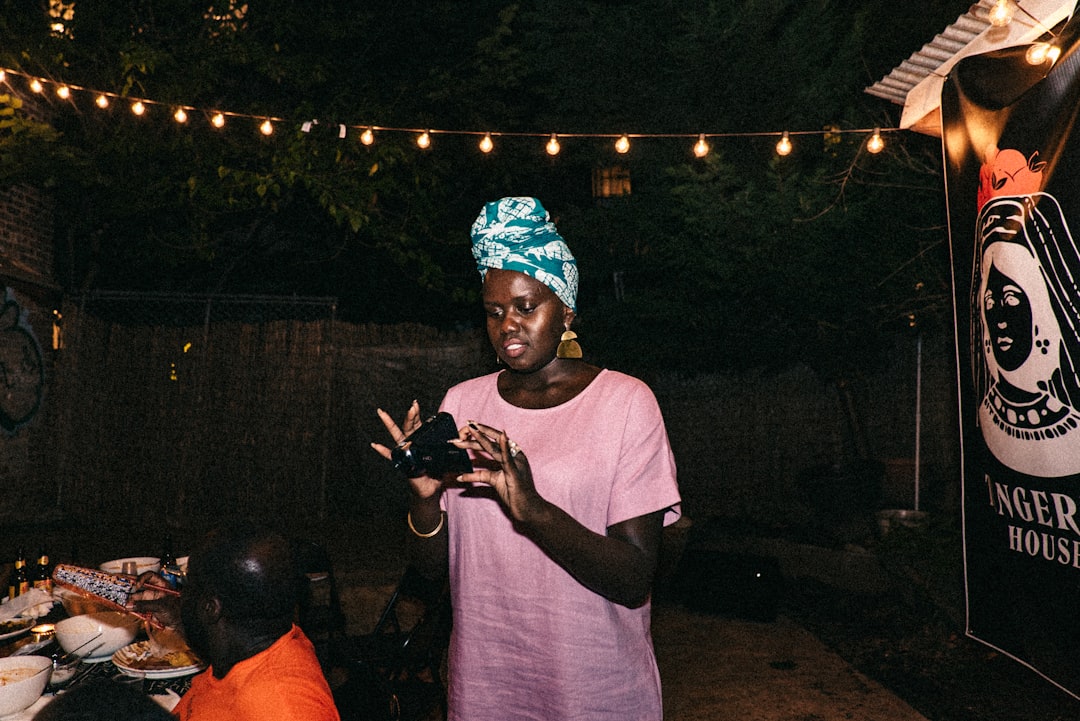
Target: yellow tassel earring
568, 346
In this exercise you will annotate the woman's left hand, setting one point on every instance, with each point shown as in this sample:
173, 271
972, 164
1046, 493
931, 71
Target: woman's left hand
511, 477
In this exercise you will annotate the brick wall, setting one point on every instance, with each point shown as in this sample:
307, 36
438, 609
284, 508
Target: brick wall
26, 266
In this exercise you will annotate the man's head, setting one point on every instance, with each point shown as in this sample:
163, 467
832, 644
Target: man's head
241, 583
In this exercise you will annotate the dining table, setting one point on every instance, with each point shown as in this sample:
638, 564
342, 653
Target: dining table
40, 640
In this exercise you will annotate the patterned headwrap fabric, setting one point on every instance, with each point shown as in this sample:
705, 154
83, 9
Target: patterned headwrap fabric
517, 234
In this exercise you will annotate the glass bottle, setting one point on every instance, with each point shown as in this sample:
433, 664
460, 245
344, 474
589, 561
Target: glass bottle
42, 575
20, 581
170, 569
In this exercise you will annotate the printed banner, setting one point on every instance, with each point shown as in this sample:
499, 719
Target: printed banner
1012, 169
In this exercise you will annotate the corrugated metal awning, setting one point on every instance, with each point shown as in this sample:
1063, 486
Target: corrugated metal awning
916, 83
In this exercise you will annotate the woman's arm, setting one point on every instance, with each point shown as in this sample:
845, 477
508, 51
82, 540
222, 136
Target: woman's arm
428, 549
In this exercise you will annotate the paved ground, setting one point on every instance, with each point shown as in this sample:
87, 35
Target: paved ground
715, 668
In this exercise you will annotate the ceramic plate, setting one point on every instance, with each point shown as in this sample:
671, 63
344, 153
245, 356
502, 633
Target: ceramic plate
134, 660
15, 627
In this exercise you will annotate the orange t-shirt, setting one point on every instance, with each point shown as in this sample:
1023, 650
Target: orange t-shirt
282, 683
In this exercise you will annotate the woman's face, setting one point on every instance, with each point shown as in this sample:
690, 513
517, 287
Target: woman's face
1007, 310
525, 319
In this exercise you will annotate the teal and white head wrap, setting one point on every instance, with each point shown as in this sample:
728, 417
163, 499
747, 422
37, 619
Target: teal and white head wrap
517, 234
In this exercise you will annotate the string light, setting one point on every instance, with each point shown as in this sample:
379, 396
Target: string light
875, 144
784, 146
701, 148
1001, 14
1038, 53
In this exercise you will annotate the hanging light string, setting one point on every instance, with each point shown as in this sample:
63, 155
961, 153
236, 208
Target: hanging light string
423, 137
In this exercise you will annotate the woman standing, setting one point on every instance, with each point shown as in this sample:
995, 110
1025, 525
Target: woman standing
552, 542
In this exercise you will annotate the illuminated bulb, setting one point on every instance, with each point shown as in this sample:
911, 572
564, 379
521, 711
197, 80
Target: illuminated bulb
875, 144
267, 128
1001, 14
102, 102
180, 115
3, 76
552, 146
35, 85
64, 92
218, 121
367, 137
701, 148
138, 108
486, 143
1040, 53
424, 140
784, 146
622, 145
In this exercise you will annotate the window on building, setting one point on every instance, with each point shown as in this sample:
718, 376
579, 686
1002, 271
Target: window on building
60, 16
611, 182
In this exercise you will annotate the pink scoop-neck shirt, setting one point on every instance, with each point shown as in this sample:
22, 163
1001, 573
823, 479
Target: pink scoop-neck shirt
529, 641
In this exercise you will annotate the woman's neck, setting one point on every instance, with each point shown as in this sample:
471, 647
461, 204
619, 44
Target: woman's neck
554, 384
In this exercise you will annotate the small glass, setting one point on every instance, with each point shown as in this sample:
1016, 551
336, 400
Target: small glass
63, 671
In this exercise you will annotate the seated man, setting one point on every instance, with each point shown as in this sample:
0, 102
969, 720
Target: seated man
236, 612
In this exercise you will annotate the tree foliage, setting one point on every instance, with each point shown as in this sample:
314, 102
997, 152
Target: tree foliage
741, 259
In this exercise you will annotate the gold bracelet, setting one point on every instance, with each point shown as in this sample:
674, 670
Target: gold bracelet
429, 534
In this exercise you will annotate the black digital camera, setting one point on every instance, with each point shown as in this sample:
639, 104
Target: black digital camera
425, 451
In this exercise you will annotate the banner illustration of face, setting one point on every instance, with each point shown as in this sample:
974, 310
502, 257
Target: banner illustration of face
1025, 339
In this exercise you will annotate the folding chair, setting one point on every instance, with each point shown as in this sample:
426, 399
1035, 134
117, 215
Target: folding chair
319, 612
395, 671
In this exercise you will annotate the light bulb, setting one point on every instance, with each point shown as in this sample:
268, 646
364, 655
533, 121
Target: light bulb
701, 148
622, 145
138, 108
367, 137
1001, 14
875, 144
424, 140
486, 143
218, 120
102, 101
267, 128
552, 146
784, 146
1040, 52
3, 76
180, 115
63, 92
35, 85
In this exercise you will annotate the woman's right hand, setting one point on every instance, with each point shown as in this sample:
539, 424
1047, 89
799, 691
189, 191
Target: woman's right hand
423, 486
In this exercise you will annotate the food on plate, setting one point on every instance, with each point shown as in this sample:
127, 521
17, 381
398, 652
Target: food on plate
141, 657
15, 624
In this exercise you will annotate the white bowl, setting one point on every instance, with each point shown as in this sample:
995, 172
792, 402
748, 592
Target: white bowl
142, 564
22, 687
117, 630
